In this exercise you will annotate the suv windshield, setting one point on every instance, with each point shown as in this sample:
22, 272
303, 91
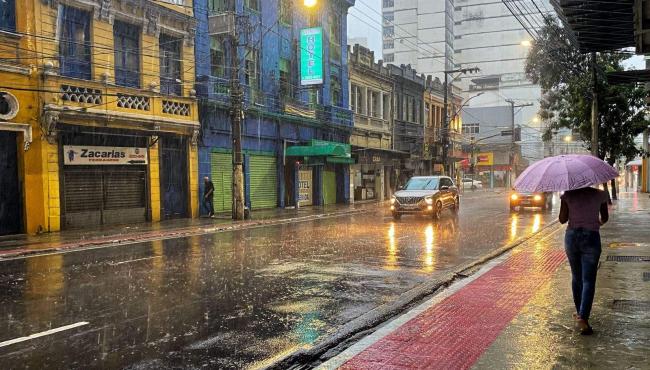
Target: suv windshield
422, 184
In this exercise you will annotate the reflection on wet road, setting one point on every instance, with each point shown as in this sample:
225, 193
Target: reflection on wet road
236, 299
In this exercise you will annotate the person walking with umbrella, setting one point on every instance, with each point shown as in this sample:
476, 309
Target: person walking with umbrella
581, 208
585, 209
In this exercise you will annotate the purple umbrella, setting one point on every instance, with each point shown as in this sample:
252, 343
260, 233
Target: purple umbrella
564, 172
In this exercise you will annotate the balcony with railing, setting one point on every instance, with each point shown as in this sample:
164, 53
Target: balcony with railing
88, 101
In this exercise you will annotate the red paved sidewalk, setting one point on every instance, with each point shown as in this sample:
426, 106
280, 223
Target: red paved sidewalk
455, 332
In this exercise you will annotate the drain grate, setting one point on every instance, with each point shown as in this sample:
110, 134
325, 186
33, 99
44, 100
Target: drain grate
630, 304
628, 258
646, 276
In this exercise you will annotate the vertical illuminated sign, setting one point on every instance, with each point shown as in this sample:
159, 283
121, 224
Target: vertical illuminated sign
311, 56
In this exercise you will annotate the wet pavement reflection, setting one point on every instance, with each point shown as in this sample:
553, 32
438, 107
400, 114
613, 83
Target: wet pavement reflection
236, 299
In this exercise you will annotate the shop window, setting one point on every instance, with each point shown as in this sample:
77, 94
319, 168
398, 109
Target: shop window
253, 5
217, 58
74, 47
335, 91
219, 6
170, 65
8, 15
127, 54
286, 11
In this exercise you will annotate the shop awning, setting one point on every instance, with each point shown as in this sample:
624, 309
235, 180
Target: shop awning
333, 152
320, 148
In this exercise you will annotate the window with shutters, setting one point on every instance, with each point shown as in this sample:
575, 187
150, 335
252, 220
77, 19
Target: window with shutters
253, 5
252, 68
335, 90
217, 57
8, 15
219, 6
286, 86
127, 54
74, 46
335, 35
170, 65
286, 11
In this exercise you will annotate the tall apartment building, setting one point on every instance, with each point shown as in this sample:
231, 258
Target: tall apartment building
467, 33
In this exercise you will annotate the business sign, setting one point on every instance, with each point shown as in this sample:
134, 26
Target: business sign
485, 159
305, 193
103, 155
311, 56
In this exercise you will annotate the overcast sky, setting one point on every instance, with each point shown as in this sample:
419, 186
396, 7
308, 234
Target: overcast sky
364, 20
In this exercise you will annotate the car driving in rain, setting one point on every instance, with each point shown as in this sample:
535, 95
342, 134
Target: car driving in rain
520, 200
425, 195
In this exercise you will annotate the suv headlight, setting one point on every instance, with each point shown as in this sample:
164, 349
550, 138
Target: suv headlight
514, 197
537, 198
428, 200
393, 200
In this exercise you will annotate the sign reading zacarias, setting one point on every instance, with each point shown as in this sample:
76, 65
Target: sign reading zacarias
103, 155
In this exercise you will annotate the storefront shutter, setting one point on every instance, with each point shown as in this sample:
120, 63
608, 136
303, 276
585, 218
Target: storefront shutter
222, 180
263, 182
329, 187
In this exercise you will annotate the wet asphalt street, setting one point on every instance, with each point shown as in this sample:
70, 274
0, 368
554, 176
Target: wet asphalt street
233, 299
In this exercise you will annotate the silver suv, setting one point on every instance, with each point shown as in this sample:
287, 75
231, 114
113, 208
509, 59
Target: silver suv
427, 195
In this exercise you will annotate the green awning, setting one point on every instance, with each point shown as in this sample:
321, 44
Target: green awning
320, 148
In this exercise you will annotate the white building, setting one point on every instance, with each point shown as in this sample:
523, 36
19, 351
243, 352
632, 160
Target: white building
429, 34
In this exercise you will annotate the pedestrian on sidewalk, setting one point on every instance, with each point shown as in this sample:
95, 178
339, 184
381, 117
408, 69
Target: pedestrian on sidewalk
208, 194
586, 211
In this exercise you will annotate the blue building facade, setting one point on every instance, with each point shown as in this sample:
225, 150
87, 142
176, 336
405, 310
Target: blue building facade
295, 138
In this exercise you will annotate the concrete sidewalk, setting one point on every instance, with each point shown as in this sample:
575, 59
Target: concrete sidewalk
123, 234
516, 312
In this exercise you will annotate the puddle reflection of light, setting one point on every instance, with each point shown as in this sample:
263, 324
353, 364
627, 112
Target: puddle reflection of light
513, 227
537, 223
391, 258
429, 238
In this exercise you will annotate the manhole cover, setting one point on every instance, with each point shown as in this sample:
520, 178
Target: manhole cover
646, 276
630, 304
628, 258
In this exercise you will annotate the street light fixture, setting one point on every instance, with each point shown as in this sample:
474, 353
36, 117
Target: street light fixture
310, 3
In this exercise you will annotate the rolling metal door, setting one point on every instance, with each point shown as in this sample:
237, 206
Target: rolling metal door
101, 196
329, 187
222, 179
263, 181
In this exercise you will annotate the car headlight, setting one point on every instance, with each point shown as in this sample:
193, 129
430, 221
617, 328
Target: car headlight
393, 200
429, 201
514, 197
537, 198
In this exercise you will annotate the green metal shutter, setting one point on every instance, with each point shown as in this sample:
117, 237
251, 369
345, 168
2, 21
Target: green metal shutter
329, 187
222, 180
263, 181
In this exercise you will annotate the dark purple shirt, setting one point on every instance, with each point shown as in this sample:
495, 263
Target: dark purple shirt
583, 207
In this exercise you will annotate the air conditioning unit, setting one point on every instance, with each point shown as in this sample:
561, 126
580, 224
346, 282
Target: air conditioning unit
221, 24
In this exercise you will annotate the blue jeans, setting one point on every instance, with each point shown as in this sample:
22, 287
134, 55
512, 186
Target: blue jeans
207, 202
583, 249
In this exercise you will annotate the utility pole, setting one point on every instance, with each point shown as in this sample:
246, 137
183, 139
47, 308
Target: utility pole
594, 108
236, 97
511, 158
445, 118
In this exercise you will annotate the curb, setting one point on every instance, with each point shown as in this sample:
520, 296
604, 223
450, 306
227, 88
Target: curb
180, 233
368, 322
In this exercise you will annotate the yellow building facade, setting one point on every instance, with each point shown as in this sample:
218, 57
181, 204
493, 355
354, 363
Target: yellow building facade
98, 114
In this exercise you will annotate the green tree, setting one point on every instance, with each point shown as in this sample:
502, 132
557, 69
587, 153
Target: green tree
566, 78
